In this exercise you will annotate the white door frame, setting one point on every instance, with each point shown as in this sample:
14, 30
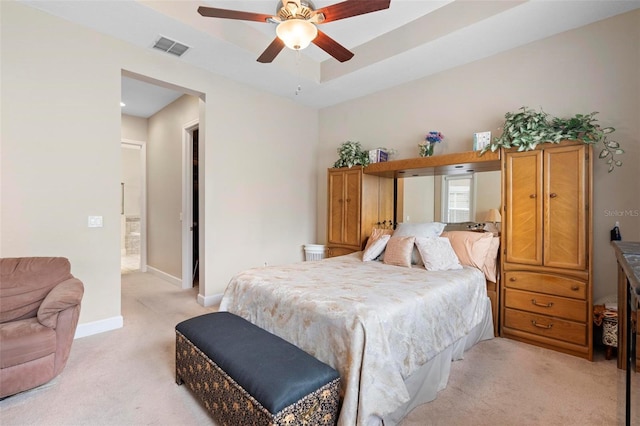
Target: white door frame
143, 198
187, 203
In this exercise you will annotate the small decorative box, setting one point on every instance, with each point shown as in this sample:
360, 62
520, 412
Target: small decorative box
378, 156
481, 140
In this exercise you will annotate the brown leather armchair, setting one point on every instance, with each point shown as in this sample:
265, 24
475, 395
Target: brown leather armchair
39, 310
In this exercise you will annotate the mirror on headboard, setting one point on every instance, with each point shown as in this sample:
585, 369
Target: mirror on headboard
420, 198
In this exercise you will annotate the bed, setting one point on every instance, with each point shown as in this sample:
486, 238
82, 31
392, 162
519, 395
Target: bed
390, 331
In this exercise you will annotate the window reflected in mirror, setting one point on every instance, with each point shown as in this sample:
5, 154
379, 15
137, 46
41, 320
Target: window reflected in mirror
467, 198
457, 202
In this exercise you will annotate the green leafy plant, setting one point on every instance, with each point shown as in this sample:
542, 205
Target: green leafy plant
527, 128
351, 154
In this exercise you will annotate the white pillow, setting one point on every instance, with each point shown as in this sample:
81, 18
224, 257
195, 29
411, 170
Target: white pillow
373, 250
437, 253
425, 229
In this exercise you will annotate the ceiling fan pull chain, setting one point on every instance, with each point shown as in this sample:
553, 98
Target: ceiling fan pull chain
298, 60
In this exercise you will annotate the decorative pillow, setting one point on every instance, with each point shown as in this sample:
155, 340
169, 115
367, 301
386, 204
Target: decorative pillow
398, 251
470, 247
426, 229
490, 268
377, 232
375, 247
437, 254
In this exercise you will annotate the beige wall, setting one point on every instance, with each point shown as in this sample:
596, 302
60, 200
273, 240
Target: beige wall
132, 179
60, 160
133, 128
593, 68
164, 188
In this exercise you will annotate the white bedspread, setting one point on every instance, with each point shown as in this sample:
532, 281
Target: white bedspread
374, 323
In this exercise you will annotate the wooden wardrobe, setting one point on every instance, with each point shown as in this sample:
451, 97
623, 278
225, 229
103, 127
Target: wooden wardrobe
547, 247
356, 203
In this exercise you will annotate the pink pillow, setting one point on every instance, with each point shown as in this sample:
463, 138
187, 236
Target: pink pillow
398, 251
377, 232
417, 229
470, 247
490, 268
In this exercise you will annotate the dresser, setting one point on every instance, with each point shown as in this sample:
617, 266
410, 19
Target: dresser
547, 248
356, 203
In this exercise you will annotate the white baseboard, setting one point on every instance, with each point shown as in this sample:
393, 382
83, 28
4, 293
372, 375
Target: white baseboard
96, 327
207, 301
163, 275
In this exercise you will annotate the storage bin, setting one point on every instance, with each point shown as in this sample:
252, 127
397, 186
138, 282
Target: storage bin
314, 251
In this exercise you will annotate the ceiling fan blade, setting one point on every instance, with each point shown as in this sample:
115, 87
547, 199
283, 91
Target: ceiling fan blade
213, 12
332, 47
272, 51
350, 8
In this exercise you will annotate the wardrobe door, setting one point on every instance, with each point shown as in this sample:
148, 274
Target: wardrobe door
352, 206
565, 223
336, 207
523, 205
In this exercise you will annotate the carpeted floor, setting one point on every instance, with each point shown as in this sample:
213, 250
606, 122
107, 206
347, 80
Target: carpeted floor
126, 377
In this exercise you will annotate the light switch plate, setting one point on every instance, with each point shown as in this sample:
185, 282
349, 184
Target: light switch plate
95, 221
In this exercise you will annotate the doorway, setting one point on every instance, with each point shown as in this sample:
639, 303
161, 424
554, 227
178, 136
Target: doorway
133, 207
191, 206
157, 110
196, 202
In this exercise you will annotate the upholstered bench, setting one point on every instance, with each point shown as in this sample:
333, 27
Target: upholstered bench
245, 375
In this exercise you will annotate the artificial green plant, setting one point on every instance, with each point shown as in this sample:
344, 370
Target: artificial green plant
527, 128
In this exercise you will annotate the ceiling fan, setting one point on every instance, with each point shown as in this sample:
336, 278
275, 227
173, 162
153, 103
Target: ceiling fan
297, 20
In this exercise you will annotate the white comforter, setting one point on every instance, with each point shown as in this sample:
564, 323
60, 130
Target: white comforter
374, 323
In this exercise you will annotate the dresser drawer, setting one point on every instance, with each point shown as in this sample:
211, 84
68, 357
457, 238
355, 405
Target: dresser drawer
541, 325
545, 304
546, 283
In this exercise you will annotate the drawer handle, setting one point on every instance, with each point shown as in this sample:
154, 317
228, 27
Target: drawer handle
532, 196
553, 195
548, 305
575, 287
546, 327
513, 279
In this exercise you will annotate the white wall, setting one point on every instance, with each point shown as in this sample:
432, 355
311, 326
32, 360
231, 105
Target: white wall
60, 159
593, 68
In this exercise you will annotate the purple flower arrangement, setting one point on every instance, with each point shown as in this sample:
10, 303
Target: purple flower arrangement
426, 147
434, 137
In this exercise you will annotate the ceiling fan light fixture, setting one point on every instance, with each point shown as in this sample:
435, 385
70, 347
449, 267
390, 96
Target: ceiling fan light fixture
296, 33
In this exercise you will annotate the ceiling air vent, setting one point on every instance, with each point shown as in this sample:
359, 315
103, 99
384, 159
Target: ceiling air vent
170, 46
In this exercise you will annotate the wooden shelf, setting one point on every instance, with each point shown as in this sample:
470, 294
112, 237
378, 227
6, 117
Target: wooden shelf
446, 164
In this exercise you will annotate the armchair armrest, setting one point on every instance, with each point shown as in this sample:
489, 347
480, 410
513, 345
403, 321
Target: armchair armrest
65, 295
